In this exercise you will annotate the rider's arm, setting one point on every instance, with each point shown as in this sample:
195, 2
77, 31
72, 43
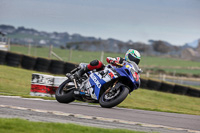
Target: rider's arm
114, 61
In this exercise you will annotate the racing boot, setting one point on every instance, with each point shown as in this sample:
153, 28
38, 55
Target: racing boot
78, 74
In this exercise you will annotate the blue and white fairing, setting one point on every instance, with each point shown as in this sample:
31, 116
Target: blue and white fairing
97, 79
131, 71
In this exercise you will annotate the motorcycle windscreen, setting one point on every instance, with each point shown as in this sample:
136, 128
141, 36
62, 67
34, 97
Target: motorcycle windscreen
96, 83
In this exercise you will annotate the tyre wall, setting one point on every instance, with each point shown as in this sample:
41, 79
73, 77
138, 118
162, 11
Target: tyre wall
179, 89
144, 83
169, 87
69, 66
42, 64
153, 85
13, 59
56, 67
193, 92
3, 56
28, 62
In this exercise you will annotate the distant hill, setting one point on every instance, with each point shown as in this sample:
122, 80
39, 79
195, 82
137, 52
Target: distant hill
25, 36
193, 44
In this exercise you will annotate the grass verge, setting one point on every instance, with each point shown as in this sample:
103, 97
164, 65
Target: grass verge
24, 126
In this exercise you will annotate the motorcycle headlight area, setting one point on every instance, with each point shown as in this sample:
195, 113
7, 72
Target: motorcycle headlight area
135, 74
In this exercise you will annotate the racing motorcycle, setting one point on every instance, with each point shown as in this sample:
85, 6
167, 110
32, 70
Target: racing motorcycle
108, 87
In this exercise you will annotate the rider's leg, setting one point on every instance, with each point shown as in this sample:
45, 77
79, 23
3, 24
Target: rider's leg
95, 64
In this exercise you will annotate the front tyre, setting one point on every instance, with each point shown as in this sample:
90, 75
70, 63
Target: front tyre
108, 101
64, 93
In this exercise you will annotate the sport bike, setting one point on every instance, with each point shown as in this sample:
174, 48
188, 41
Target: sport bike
108, 87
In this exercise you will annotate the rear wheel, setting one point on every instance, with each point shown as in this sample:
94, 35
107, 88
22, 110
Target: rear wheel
65, 92
111, 99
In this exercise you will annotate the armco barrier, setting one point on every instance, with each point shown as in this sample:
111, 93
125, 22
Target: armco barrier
2, 56
45, 85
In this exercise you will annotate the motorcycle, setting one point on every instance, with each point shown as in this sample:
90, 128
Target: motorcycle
108, 87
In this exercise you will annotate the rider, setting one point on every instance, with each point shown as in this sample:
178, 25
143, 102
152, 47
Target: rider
131, 55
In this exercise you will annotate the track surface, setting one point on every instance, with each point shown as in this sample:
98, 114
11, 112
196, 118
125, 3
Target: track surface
191, 122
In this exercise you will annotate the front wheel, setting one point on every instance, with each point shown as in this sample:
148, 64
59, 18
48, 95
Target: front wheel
109, 100
64, 93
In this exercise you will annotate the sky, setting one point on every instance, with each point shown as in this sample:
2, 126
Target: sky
174, 21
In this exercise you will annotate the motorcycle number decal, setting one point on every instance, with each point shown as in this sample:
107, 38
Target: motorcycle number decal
111, 74
136, 76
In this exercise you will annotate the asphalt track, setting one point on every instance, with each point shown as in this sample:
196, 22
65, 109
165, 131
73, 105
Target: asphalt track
173, 121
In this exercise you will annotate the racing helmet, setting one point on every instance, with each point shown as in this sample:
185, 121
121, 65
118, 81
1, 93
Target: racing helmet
133, 55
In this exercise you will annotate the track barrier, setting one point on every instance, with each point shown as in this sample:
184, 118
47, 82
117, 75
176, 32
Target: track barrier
13, 59
28, 62
60, 67
153, 85
45, 85
3, 57
167, 87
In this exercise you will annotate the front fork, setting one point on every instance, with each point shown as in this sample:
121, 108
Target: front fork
111, 87
75, 83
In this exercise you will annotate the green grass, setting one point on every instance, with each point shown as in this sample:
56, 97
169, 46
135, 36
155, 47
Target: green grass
24, 126
160, 101
16, 81
167, 64
164, 62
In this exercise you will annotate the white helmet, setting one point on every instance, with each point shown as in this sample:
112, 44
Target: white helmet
133, 55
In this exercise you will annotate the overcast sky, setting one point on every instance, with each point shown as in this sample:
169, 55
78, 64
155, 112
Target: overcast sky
175, 21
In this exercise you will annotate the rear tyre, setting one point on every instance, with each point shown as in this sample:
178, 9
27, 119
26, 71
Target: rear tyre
105, 102
64, 96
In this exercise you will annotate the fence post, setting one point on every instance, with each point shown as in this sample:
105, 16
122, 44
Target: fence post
8, 44
50, 51
29, 49
35, 50
102, 55
147, 74
174, 75
164, 77
70, 55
